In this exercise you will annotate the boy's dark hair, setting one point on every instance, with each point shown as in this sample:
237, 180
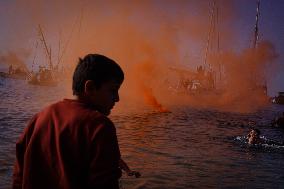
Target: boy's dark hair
97, 68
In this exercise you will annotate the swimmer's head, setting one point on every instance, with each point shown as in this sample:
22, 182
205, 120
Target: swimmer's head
254, 136
255, 131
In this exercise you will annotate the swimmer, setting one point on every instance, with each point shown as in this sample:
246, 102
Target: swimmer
254, 137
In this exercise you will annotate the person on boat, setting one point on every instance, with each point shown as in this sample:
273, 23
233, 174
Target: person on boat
72, 143
254, 137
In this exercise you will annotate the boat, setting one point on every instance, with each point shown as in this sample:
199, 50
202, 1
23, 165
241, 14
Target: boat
46, 76
18, 73
203, 80
21, 75
190, 82
279, 99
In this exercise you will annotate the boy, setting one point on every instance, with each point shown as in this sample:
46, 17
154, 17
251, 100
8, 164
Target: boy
254, 137
72, 143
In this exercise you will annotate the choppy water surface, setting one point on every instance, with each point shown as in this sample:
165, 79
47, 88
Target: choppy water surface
187, 148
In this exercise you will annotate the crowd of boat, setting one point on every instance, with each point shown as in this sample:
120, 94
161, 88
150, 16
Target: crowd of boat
43, 77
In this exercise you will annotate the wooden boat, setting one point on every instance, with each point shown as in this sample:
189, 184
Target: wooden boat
20, 72
17, 75
44, 78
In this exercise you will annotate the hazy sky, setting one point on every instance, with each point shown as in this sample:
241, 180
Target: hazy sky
176, 30
271, 27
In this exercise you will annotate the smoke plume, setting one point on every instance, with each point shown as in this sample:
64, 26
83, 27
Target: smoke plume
150, 39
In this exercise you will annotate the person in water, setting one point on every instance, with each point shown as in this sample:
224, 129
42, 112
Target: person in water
72, 143
254, 137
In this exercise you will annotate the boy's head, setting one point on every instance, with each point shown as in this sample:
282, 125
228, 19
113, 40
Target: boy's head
97, 79
255, 131
254, 136
97, 68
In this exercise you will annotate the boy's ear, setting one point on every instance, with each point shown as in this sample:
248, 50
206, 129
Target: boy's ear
89, 86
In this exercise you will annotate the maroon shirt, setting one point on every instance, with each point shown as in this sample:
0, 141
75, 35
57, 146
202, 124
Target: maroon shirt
68, 145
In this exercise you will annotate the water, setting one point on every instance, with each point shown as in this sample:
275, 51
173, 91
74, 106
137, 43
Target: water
187, 148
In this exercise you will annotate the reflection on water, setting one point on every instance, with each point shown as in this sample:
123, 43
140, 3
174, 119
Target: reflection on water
187, 148
268, 145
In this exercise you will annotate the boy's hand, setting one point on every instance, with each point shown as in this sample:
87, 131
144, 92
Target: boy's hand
135, 173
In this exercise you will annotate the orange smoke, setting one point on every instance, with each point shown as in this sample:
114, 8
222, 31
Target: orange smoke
147, 45
151, 99
144, 76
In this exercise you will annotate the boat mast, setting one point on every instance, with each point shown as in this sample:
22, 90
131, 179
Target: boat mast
33, 63
48, 52
255, 40
213, 42
211, 29
218, 44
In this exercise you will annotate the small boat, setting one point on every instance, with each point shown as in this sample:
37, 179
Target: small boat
43, 78
279, 99
14, 73
13, 76
43, 83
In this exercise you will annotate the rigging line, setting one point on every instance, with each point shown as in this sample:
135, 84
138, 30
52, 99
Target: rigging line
218, 43
70, 36
48, 52
34, 55
80, 21
59, 48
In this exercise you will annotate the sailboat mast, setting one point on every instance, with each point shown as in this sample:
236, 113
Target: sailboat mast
48, 52
211, 28
256, 25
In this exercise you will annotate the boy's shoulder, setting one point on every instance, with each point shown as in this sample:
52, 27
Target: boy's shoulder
75, 109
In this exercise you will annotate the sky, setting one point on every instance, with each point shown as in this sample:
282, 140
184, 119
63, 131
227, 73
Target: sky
271, 28
166, 32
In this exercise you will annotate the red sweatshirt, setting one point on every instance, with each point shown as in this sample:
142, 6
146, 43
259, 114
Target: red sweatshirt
68, 145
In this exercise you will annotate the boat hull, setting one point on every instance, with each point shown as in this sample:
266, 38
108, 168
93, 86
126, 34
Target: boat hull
21, 76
